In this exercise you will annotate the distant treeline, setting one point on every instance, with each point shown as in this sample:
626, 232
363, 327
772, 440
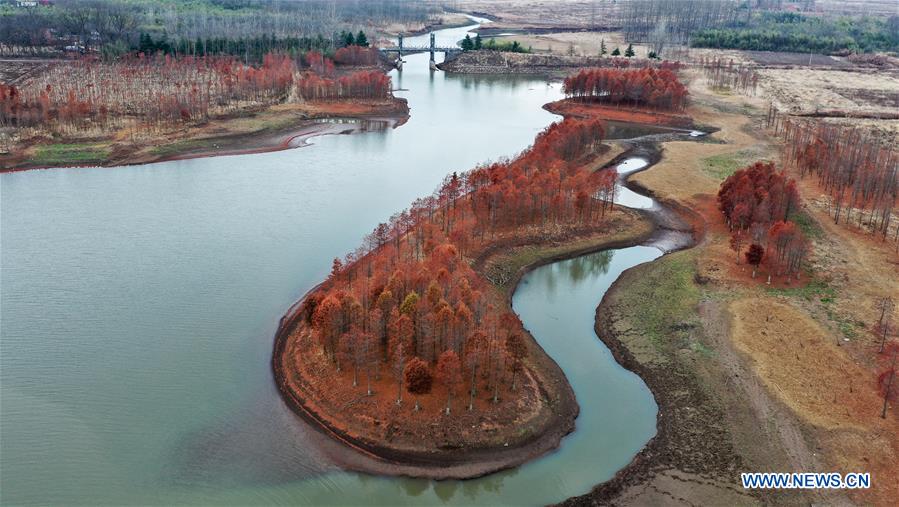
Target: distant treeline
249, 49
675, 20
114, 25
787, 31
492, 45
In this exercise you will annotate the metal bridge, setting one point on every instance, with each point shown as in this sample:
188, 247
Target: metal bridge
433, 48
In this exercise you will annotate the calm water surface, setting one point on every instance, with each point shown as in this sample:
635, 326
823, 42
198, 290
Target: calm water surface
625, 196
139, 304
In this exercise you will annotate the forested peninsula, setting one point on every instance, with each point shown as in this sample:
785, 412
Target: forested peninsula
410, 351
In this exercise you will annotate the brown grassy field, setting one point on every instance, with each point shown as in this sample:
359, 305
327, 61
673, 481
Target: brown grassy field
808, 343
577, 43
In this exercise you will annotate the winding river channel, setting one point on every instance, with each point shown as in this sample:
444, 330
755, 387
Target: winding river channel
139, 304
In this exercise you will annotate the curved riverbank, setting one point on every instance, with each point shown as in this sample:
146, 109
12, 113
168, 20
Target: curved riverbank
632, 227
690, 456
272, 129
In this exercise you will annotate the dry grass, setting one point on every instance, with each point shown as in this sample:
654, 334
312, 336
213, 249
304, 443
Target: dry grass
578, 43
809, 344
854, 7
802, 364
388, 31
574, 13
811, 89
676, 175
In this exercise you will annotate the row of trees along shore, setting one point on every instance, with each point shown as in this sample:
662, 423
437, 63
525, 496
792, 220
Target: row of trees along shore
757, 203
657, 88
163, 90
858, 171
408, 303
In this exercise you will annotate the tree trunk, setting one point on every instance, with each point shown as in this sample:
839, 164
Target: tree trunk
886, 395
449, 400
471, 392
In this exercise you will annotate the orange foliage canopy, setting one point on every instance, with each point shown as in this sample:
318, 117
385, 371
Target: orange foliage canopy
859, 171
410, 285
356, 55
164, 89
761, 200
658, 88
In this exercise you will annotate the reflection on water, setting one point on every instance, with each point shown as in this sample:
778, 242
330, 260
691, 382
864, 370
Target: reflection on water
589, 266
489, 82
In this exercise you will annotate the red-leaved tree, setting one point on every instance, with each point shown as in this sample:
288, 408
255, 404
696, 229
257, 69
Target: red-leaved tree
418, 378
887, 376
449, 372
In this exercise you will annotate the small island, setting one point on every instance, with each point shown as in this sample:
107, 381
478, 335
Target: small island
410, 351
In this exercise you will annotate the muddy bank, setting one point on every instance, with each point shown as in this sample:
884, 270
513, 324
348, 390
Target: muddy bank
291, 137
694, 456
274, 130
689, 449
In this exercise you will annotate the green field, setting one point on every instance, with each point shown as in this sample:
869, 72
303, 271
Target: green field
68, 154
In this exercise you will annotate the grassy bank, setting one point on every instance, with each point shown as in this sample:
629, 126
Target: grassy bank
667, 297
84, 153
661, 321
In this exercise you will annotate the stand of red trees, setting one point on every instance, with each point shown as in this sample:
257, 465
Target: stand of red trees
356, 55
162, 90
371, 84
657, 88
407, 301
757, 203
858, 172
